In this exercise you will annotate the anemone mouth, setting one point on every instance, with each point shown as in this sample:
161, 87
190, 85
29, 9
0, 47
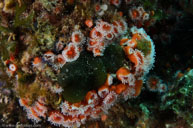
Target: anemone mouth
89, 73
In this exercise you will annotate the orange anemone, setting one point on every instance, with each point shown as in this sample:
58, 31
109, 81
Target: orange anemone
122, 72
134, 59
138, 86
120, 88
135, 13
123, 41
89, 23
37, 60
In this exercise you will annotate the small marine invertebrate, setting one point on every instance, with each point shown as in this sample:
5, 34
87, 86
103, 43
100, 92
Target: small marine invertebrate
60, 60
162, 87
103, 91
12, 67
49, 56
115, 2
59, 46
154, 83
123, 25
135, 14
33, 115
71, 52
89, 23
109, 80
120, 88
96, 34
100, 9
91, 97
37, 63
40, 108
77, 37
125, 76
109, 100
24, 102
56, 118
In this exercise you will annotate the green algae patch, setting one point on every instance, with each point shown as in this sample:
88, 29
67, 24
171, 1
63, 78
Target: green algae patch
78, 77
88, 72
144, 46
114, 58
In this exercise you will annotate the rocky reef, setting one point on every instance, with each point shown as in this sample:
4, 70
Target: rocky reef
109, 63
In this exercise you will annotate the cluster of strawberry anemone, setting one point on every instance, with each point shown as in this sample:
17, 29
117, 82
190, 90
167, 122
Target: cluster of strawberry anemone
36, 111
140, 50
103, 34
97, 102
139, 15
94, 104
69, 53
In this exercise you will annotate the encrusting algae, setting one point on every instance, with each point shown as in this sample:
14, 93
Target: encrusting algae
72, 61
